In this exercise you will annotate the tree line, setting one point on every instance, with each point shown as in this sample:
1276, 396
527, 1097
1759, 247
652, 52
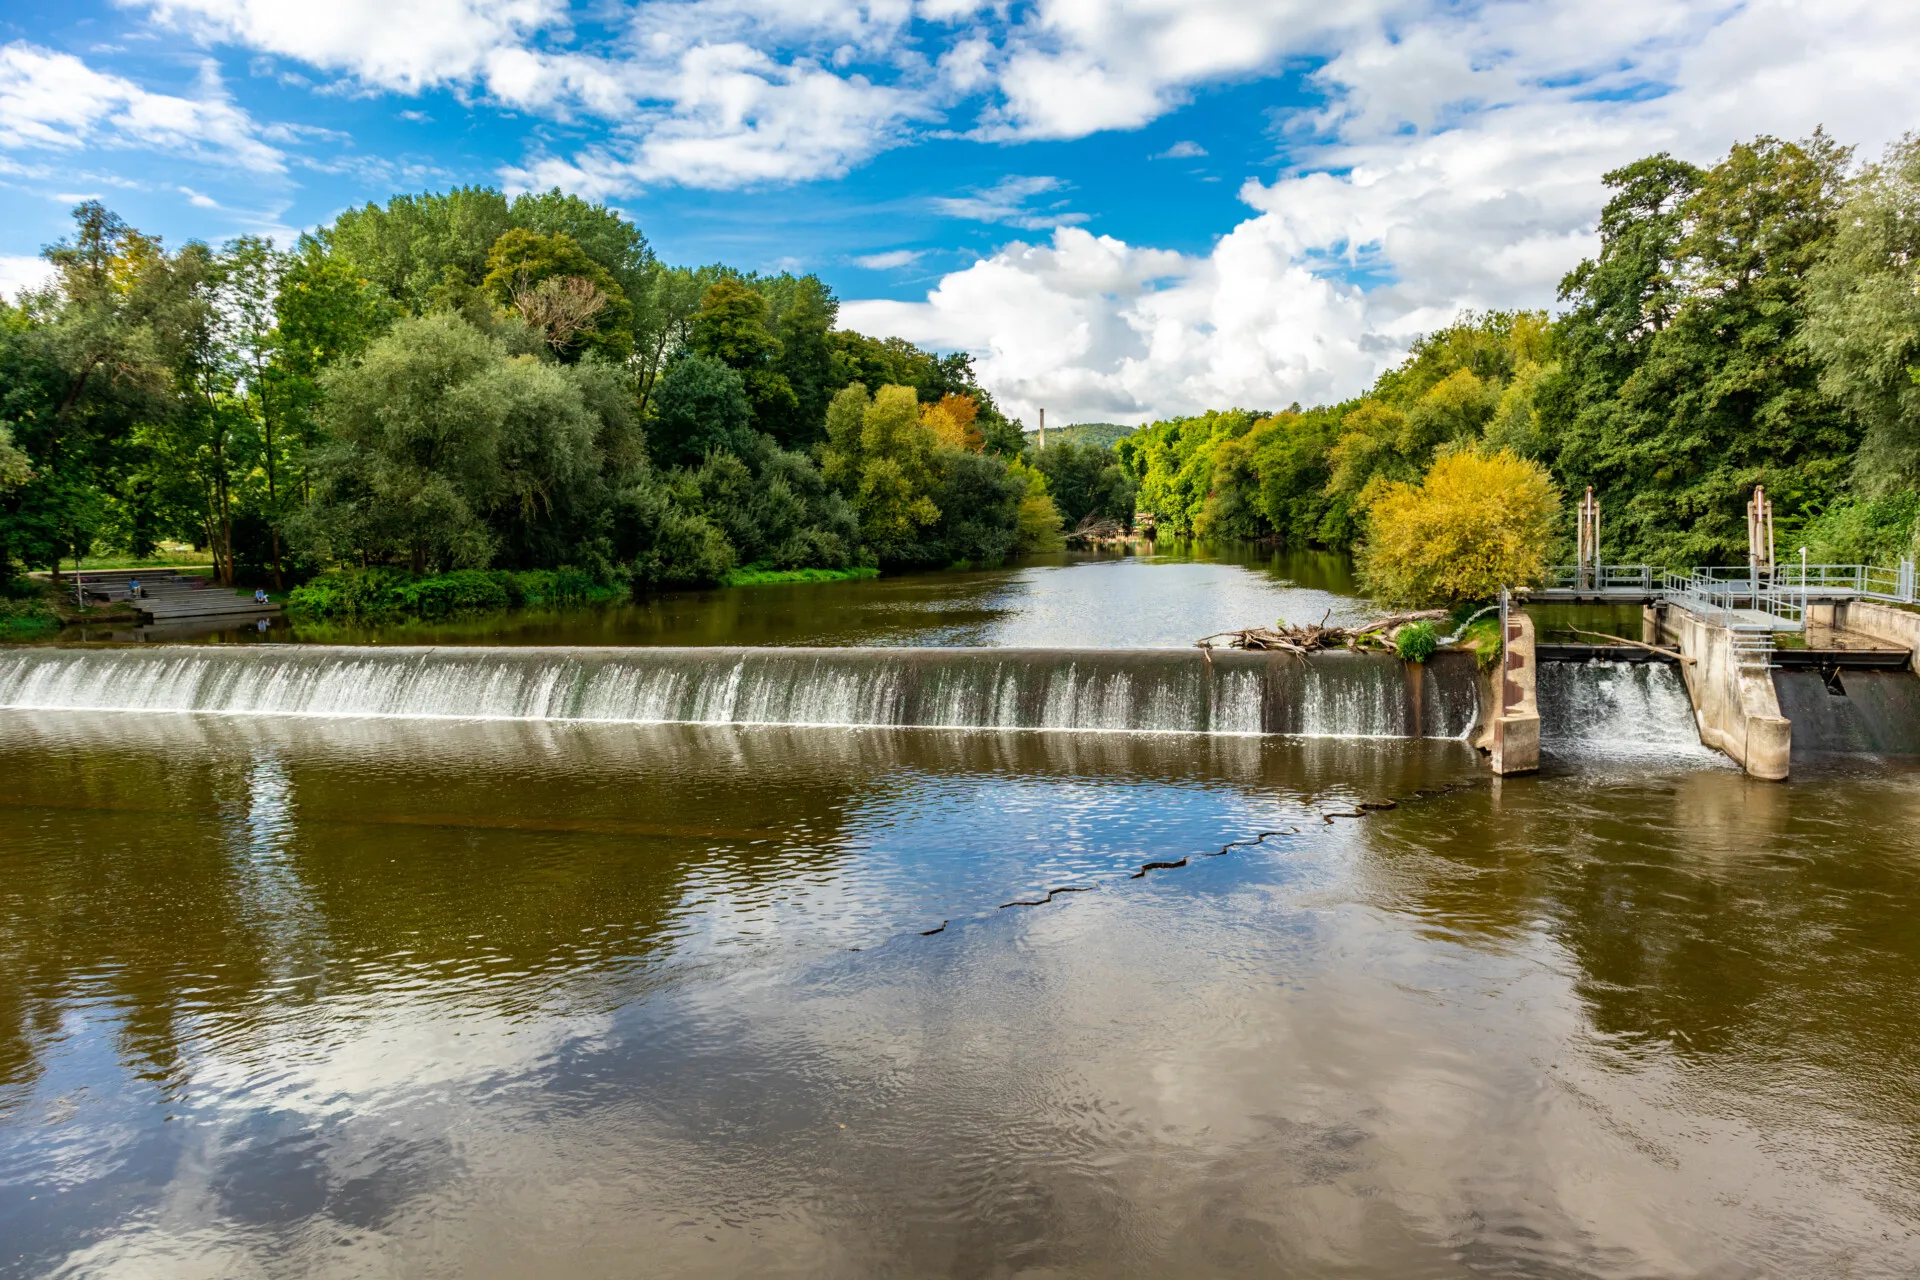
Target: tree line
465, 381
1755, 322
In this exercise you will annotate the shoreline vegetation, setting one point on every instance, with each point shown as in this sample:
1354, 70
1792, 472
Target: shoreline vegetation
758, 576
459, 402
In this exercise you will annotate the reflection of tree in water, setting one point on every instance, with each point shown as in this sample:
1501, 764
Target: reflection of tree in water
1736, 921
211, 877
202, 877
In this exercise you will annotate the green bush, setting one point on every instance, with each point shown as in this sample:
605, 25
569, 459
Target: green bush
387, 593
443, 594
24, 615
1416, 641
757, 575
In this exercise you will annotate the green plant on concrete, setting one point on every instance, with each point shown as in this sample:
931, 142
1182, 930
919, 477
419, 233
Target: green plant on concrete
1416, 641
1482, 636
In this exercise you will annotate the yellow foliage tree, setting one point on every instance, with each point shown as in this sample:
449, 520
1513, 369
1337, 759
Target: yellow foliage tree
1039, 517
1478, 521
951, 421
884, 458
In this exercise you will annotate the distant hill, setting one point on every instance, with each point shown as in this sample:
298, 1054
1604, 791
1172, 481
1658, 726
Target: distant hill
1083, 433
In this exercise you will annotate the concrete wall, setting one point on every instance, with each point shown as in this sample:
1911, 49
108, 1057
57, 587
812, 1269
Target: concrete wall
1515, 744
1899, 627
1737, 711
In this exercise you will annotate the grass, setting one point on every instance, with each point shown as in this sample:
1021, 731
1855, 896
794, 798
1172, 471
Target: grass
31, 607
165, 560
756, 576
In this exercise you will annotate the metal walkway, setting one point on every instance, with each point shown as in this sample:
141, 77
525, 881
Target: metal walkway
1739, 598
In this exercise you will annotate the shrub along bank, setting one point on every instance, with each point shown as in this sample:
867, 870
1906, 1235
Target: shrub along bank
389, 593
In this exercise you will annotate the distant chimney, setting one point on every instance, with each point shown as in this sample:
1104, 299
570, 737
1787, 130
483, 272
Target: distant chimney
1043, 428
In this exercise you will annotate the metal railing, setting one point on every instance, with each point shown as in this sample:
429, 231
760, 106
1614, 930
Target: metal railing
1732, 602
1600, 578
1897, 585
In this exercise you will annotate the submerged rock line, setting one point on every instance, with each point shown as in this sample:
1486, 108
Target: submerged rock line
1360, 810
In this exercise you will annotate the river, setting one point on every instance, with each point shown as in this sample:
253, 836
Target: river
341, 995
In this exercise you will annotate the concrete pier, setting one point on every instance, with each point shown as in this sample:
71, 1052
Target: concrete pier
1735, 704
1899, 628
1515, 743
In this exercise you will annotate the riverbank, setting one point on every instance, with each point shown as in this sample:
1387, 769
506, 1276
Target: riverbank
34, 608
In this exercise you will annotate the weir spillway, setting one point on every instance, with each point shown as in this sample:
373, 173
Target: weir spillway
1338, 694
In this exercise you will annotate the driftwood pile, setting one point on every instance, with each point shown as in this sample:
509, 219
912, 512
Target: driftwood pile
1101, 532
1378, 634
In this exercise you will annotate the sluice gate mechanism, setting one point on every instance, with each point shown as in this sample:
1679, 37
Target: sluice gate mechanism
1753, 644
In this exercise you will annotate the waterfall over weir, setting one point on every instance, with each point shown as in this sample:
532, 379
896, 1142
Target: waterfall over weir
1089, 690
1616, 709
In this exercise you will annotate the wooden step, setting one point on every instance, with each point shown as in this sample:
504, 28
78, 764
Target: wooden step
204, 604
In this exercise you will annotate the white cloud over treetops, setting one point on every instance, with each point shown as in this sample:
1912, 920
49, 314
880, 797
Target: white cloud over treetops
1458, 158
54, 101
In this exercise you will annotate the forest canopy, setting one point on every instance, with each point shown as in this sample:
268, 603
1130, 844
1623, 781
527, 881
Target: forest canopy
1756, 322
464, 381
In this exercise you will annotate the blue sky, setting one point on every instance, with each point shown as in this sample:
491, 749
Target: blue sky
1125, 208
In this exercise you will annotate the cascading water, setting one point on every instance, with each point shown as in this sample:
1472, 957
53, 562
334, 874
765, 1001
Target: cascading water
1616, 709
1159, 690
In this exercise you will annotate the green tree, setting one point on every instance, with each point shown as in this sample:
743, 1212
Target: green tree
1684, 380
1863, 316
700, 405
801, 313
663, 319
414, 246
1085, 480
983, 509
573, 302
448, 452
731, 327
882, 457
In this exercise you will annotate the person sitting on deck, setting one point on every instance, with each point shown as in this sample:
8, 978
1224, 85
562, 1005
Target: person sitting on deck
133, 588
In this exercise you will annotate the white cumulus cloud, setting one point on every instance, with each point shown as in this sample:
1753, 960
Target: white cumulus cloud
18, 272
891, 260
1007, 202
1455, 165
55, 101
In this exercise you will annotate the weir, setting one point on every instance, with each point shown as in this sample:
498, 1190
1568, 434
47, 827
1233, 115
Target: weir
1341, 695
1606, 708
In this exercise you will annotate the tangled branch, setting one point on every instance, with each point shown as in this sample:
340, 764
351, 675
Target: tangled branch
1313, 636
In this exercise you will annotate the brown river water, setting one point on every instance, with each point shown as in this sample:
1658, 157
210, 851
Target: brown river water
438, 997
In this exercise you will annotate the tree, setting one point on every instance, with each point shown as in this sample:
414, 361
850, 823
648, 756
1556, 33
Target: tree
801, 311
252, 273
880, 455
1863, 316
1037, 527
601, 233
701, 405
448, 452
1085, 480
324, 313
1475, 523
572, 301
416, 245
663, 318
981, 503
731, 327
1684, 380
951, 420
